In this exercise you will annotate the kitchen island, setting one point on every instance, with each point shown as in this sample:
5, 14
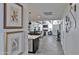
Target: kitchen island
33, 43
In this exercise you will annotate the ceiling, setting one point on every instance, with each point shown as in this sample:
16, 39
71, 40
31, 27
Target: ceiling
47, 10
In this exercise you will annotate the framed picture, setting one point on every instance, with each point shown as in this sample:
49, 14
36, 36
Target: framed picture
13, 43
13, 15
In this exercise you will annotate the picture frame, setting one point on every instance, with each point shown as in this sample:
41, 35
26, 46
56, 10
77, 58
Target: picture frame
13, 16
13, 43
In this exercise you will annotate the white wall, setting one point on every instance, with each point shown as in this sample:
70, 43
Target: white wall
25, 26
1, 30
70, 40
25, 29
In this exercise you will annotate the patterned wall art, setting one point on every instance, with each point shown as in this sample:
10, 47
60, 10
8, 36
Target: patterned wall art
13, 43
73, 11
68, 24
13, 15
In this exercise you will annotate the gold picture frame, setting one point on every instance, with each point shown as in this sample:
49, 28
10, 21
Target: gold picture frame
13, 16
10, 43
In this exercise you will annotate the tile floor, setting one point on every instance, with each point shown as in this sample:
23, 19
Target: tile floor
49, 46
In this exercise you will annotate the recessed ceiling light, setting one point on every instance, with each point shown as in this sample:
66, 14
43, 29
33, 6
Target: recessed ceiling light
47, 13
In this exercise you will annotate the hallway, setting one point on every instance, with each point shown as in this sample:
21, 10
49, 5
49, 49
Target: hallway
31, 28
49, 46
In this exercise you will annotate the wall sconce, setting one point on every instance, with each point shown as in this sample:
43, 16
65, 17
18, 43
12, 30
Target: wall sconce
29, 19
29, 22
70, 4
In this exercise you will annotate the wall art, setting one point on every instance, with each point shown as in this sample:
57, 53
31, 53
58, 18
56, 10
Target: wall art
73, 8
68, 24
13, 15
13, 43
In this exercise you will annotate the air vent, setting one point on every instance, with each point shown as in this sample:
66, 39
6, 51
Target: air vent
47, 13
